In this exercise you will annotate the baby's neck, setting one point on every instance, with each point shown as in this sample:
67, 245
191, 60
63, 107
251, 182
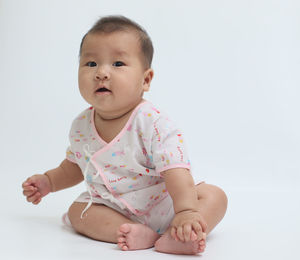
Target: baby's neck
117, 116
109, 127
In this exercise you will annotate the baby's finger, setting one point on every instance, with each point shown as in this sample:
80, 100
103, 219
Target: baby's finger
203, 225
25, 184
28, 193
29, 188
179, 233
187, 232
31, 181
37, 201
194, 237
204, 236
34, 197
173, 233
198, 230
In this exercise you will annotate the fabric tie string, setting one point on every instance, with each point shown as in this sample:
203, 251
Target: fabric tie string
88, 153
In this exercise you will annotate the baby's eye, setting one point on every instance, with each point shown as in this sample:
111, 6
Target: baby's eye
118, 64
91, 64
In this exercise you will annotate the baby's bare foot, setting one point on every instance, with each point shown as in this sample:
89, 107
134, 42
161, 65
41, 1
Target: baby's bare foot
167, 244
136, 236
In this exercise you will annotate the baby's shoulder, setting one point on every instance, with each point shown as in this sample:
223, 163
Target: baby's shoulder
148, 112
83, 119
150, 117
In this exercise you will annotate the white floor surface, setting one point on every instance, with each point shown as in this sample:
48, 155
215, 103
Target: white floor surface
259, 224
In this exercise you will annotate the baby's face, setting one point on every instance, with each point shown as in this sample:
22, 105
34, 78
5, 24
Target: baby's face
111, 74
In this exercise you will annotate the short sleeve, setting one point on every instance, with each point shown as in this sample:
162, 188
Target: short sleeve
70, 155
168, 147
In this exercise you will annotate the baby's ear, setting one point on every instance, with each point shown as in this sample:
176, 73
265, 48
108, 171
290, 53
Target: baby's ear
148, 76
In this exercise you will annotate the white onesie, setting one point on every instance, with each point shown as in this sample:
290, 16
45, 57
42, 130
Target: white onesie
124, 174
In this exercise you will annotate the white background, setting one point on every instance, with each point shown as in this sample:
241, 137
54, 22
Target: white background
226, 71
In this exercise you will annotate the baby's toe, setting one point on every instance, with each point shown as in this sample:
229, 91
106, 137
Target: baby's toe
202, 248
123, 246
124, 228
121, 239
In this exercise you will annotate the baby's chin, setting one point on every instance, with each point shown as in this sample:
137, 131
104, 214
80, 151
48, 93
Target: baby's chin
111, 109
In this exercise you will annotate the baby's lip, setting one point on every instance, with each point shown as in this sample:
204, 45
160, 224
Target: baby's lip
103, 89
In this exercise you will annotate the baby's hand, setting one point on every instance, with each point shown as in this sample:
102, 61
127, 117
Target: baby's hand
188, 226
36, 187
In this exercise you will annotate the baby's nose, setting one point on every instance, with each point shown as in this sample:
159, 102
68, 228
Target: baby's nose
102, 74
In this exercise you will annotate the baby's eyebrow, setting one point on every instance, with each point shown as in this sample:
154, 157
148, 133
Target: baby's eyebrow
121, 53
88, 54
115, 52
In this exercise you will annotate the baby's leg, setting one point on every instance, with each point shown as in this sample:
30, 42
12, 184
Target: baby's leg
212, 204
106, 224
99, 222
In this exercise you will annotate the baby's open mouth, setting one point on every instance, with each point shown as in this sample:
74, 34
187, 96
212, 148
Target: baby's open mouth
103, 90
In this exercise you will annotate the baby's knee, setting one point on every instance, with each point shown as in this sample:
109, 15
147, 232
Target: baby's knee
219, 195
74, 215
213, 193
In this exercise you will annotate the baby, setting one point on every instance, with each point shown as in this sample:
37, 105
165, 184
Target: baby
131, 156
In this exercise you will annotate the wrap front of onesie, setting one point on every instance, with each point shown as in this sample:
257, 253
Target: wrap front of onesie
127, 170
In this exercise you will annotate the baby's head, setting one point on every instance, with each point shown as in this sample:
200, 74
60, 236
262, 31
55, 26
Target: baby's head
115, 66
110, 24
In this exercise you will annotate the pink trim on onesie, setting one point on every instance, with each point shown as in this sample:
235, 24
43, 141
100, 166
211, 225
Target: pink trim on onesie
108, 146
69, 159
173, 166
98, 137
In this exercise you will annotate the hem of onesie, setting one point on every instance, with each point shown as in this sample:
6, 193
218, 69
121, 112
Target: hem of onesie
66, 221
174, 166
69, 159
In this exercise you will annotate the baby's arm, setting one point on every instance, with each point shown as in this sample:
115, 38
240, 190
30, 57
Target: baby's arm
181, 187
66, 175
